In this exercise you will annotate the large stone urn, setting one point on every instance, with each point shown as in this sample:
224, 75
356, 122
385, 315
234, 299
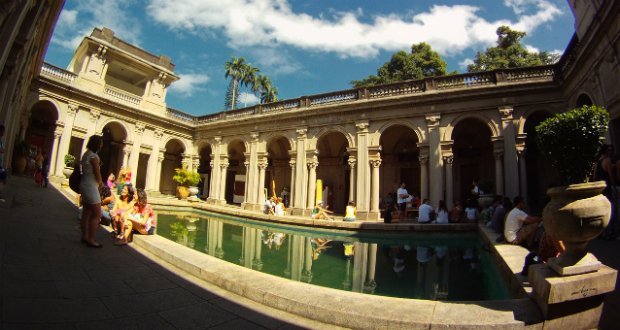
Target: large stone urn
193, 191
575, 215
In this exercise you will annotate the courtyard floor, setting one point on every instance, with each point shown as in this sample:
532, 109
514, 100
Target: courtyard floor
49, 280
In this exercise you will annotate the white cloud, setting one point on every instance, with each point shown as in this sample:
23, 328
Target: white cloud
77, 22
248, 99
250, 23
189, 84
464, 63
531, 49
274, 61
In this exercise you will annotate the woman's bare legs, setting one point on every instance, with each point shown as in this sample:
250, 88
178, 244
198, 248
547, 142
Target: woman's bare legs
94, 222
86, 214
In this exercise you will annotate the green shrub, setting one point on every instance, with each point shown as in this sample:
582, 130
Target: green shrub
571, 141
186, 177
69, 160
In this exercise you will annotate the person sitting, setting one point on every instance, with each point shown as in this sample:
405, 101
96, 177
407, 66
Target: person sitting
319, 212
123, 204
107, 205
279, 208
111, 181
442, 213
456, 214
471, 211
520, 228
269, 206
351, 212
140, 219
425, 211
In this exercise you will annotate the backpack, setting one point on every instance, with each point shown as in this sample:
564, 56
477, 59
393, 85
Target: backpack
75, 178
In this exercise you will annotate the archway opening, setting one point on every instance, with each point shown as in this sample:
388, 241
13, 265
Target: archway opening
540, 174
40, 131
111, 154
236, 176
399, 162
473, 157
582, 100
278, 174
173, 159
204, 169
333, 170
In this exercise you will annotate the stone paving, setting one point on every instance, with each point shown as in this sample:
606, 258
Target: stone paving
49, 280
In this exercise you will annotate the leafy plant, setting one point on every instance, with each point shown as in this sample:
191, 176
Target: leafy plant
69, 160
571, 141
186, 177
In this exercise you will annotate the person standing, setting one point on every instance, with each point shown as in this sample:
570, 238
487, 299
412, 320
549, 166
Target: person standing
89, 190
402, 198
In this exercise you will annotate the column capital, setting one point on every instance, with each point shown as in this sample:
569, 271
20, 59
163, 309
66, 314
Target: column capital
159, 133
292, 163
262, 164
423, 159
211, 163
312, 164
301, 133
506, 112
94, 115
72, 108
59, 128
448, 159
352, 162
254, 137
139, 128
224, 164
432, 120
127, 147
362, 126
217, 139
375, 163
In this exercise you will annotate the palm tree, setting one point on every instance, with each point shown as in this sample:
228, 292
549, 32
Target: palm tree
268, 93
249, 79
234, 69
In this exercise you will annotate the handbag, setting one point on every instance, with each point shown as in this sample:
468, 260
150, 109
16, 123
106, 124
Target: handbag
74, 179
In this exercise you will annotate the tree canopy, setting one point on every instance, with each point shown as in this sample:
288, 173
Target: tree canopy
243, 73
422, 62
509, 53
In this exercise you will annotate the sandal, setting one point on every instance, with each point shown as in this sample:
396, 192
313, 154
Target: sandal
120, 242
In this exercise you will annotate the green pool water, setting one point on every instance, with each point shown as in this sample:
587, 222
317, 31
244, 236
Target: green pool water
432, 266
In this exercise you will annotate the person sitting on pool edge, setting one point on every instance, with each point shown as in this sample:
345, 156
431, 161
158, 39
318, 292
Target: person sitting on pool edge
140, 219
351, 212
319, 212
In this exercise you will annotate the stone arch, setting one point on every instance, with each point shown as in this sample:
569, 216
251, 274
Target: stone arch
113, 154
416, 129
60, 115
110, 120
336, 128
400, 157
173, 151
527, 114
205, 157
269, 136
582, 99
332, 147
278, 172
232, 139
40, 131
236, 172
180, 140
473, 156
489, 122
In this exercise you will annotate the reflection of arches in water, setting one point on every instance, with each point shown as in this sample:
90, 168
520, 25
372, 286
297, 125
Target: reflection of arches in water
273, 239
333, 170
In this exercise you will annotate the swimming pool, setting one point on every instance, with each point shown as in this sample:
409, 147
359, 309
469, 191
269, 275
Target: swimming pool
431, 266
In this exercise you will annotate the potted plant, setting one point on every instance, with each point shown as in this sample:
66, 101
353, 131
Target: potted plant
69, 165
578, 211
185, 178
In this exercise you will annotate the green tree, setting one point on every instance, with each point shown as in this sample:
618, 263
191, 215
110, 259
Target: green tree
509, 53
268, 92
249, 78
422, 62
234, 69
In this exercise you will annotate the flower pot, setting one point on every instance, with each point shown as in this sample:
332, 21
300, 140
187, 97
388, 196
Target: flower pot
193, 191
67, 171
576, 214
20, 164
182, 192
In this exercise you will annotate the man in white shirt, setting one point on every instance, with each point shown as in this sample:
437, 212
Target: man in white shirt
520, 227
402, 197
424, 211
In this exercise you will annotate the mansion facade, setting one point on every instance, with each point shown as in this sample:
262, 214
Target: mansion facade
436, 134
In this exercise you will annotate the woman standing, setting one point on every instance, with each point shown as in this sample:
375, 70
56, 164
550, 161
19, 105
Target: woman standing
89, 189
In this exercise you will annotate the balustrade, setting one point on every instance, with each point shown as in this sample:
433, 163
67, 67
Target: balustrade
51, 71
122, 95
340, 96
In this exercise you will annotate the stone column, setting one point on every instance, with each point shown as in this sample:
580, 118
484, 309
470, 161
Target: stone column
223, 173
434, 157
134, 157
160, 159
448, 161
498, 154
151, 170
363, 171
65, 139
511, 172
374, 195
293, 164
55, 148
252, 176
312, 165
423, 158
521, 152
126, 152
246, 189
299, 194
262, 165
92, 128
212, 191
352, 162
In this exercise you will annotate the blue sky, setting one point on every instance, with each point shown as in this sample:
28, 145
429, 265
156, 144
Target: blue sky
305, 47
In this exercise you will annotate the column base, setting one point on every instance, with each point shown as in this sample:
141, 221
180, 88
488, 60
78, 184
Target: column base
564, 266
571, 302
369, 215
300, 212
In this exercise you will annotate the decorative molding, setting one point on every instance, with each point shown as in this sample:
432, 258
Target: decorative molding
313, 164
352, 162
448, 159
432, 120
158, 133
301, 133
139, 128
375, 163
506, 112
362, 126
292, 163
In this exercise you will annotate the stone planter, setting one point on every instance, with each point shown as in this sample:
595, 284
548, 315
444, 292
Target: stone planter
66, 171
485, 200
575, 215
193, 191
182, 192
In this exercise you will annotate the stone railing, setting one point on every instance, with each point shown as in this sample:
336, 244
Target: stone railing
123, 96
55, 72
547, 73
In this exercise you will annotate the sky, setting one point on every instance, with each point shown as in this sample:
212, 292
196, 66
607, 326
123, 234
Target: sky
304, 47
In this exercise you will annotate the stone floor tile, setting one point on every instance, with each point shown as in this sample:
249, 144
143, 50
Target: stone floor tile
198, 316
237, 324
